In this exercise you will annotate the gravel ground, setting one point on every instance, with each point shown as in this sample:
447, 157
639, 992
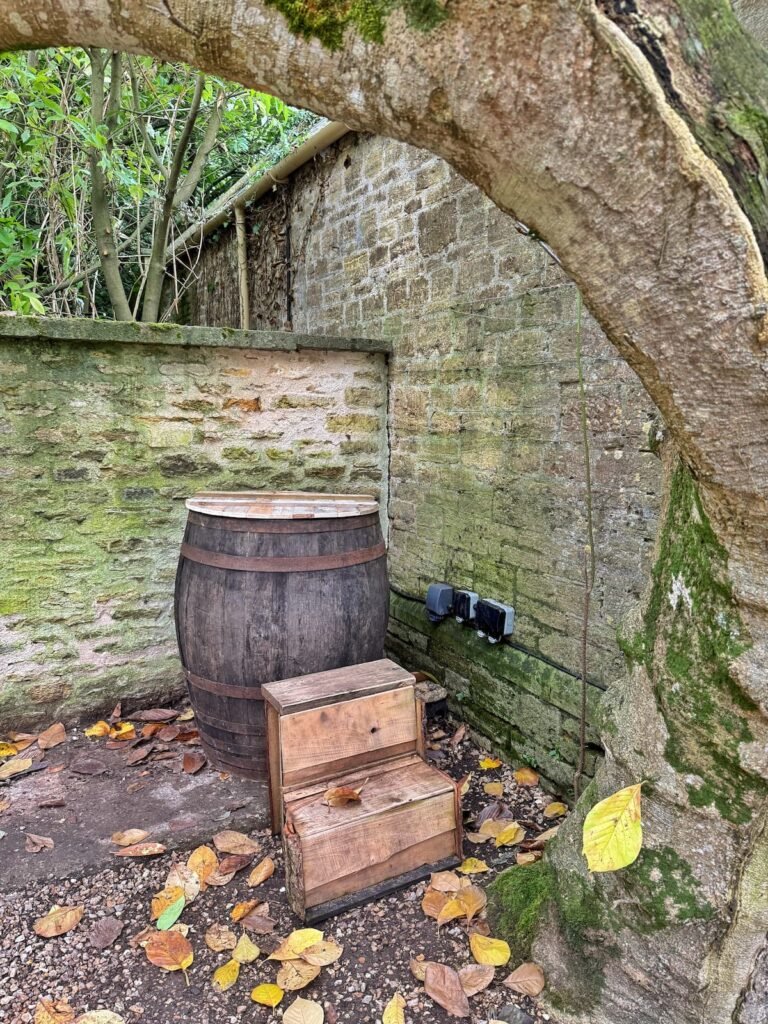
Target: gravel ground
378, 939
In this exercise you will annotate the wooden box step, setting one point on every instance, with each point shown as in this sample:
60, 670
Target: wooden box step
360, 726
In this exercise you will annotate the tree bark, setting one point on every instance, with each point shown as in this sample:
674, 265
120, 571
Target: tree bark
564, 113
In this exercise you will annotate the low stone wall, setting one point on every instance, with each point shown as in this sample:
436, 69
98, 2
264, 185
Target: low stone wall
105, 429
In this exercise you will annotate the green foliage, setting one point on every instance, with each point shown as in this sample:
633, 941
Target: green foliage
48, 134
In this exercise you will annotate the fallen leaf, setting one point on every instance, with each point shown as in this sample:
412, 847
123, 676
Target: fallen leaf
14, 767
192, 762
458, 736
304, 1011
53, 1011
419, 968
5, 803
472, 866
487, 763
245, 952
8, 750
216, 878
322, 953
476, 837
263, 870
494, 789
171, 914
527, 857
452, 909
188, 736
241, 910
170, 950
149, 730
164, 899
542, 839
85, 765
129, 837
340, 796
296, 974
475, 977
526, 777
555, 809
613, 831
186, 716
236, 843
445, 881
299, 940
36, 844
140, 850
203, 861
267, 995
52, 737
100, 1017
22, 740
225, 977
527, 979
168, 733
97, 730
491, 952
394, 1011
220, 938
141, 938
154, 715
496, 811
182, 877
473, 899
442, 984
259, 923
511, 833
58, 921
117, 712
139, 755
463, 784
104, 932
433, 902
122, 731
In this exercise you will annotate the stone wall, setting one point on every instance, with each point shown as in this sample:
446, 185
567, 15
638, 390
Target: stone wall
105, 429
487, 464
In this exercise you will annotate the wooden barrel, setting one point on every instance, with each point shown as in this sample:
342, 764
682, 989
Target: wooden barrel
271, 586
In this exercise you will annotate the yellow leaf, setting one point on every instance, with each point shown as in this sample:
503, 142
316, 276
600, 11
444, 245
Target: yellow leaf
170, 950
129, 837
203, 861
527, 979
473, 899
53, 1011
494, 789
263, 870
304, 1011
419, 967
235, 842
555, 810
394, 1011
486, 763
433, 902
488, 951
267, 995
240, 910
58, 921
181, 877
452, 909
224, 977
528, 857
292, 947
296, 974
245, 952
526, 777
122, 731
322, 953
492, 827
14, 766
164, 899
99, 729
472, 866
140, 850
613, 831
10, 750
511, 833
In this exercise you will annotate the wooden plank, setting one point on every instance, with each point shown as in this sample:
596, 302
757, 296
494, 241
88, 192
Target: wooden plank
275, 769
281, 504
314, 742
427, 852
366, 843
295, 796
420, 737
301, 693
360, 897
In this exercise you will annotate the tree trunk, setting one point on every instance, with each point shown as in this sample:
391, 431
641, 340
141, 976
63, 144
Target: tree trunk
632, 138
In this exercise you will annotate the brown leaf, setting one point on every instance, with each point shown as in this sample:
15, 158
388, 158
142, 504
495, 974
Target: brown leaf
526, 777
458, 736
220, 938
169, 733
139, 754
219, 878
117, 713
433, 902
526, 857
36, 844
5, 803
442, 984
169, 950
419, 968
234, 862
475, 977
236, 843
340, 796
527, 979
190, 736
140, 850
192, 762
322, 953
52, 737
15, 766
85, 765
150, 729
154, 715
129, 837
492, 812
445, 881
241, 910
22, 740
105, 931
261, 924
182, 877
296, 974
53, 1011
58, 921
263, 870
541, 840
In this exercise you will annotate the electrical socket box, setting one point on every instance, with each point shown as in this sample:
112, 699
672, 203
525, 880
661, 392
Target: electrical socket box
494, 620
464, 605
439, 601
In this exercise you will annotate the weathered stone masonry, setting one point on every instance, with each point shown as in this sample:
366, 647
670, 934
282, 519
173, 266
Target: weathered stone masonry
104, 430
487, 474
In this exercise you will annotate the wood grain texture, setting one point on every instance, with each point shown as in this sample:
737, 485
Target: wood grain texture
274, 768
281, 504
313, 691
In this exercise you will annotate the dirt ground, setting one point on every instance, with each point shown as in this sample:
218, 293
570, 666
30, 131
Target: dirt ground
379, 939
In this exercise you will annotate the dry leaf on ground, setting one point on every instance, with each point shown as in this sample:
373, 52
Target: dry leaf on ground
104, 932
58, 921
192, 762
225, 977
36, 844
53, 1011
122, 731
246, 951
458, 736
97, 729
340, 796
261, 924
491, 952
154, 715
541, 840
419, 968
170, 950
22, 740
526, 777
164, 899
488, 763
442, 984
495, 789
220, 938
296, 974
182, 877
555, 810
394, 1011
267, 995
5, 803
171, 914
85, 765
52, 737
203, 861
299, 940
433, 902
241, 910
472, 866
304, 1011
129, 837
511, 834
527, 857
235, 842
527, 979
475, 977
14, 767
445, 881
100, 1017
263, 870
140, 850
9, 750
322, 953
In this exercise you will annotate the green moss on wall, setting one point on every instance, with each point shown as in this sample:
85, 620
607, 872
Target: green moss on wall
327, 20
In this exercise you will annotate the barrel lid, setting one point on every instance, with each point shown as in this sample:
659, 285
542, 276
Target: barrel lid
281, 504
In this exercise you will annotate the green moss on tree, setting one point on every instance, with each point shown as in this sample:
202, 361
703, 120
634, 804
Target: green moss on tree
327, 20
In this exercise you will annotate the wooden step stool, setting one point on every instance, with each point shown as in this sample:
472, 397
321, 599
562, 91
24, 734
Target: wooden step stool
349, 727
